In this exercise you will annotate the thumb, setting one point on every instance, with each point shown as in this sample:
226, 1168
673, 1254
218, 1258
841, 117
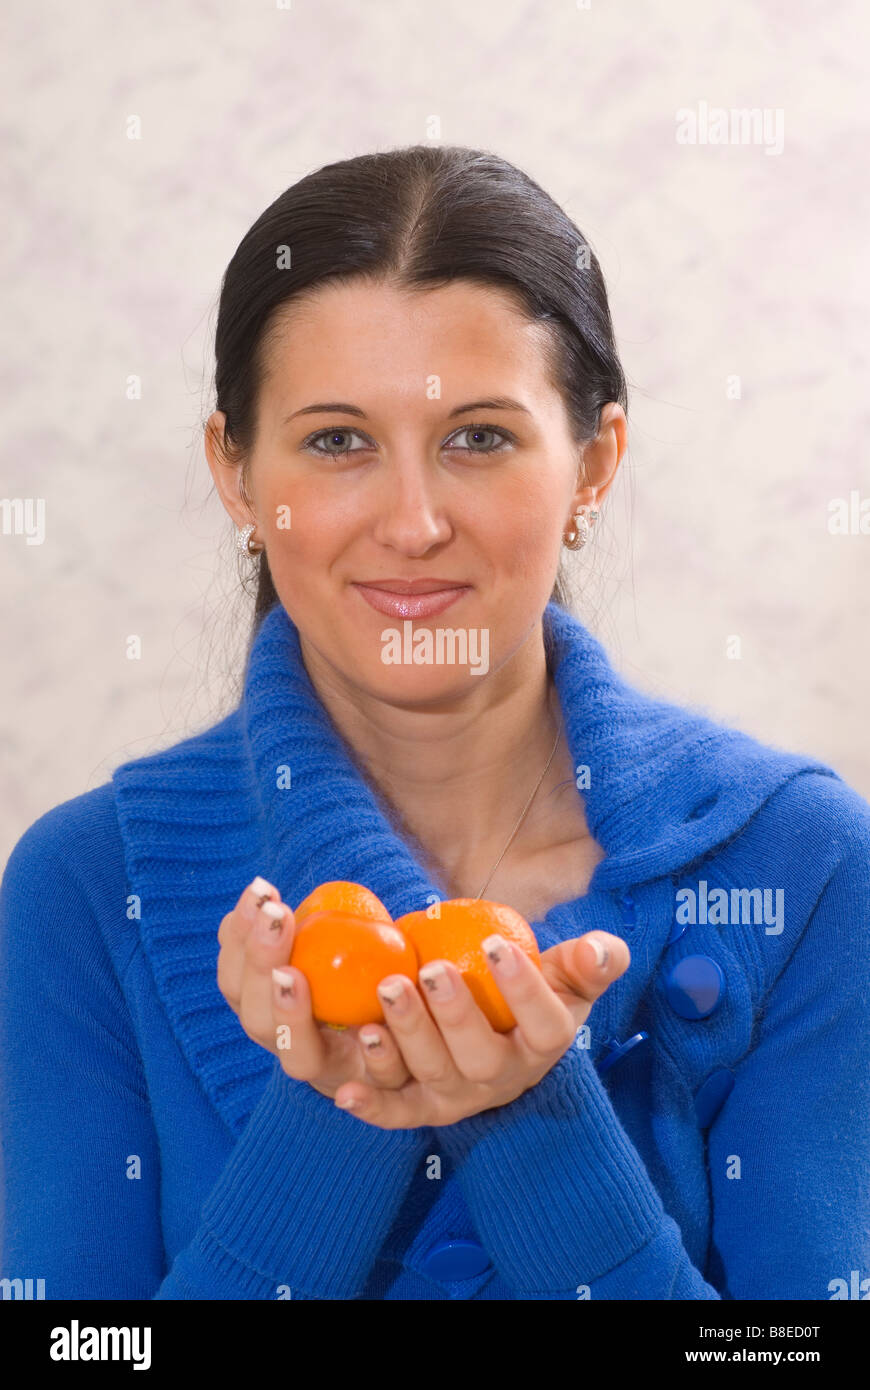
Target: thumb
586, 965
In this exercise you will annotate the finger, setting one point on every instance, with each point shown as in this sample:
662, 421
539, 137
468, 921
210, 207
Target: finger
232, 933
383, 1061
267, 944
303, 1054
545, 1024
415, 1033
479, 1053
407, 1108
585, 966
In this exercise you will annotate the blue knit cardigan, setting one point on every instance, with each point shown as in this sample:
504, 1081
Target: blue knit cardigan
151, 1150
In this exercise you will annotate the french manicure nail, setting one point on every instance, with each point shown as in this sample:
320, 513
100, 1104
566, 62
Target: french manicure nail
261, 889
274, 913
394, 995
285, 987
502, 955
437, 980
370, 1041
602, 952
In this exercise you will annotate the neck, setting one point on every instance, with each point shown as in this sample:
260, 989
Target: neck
457, 777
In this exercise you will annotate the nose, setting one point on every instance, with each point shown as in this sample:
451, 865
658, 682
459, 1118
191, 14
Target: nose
410, 514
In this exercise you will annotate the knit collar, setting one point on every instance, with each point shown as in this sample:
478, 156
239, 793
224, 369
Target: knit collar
666, 783
273, 789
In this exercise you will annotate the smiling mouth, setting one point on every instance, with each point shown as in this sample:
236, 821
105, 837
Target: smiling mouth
417, 598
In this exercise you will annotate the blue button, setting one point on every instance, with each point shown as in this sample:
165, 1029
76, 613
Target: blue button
456, 1259
619, 1050
712, 1095
695, 986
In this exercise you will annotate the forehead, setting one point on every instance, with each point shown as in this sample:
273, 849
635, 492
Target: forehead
364, 334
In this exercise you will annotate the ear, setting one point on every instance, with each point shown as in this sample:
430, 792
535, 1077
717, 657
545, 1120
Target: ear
601, 458
226, 473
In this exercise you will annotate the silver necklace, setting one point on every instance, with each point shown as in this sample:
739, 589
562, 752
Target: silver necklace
524, 812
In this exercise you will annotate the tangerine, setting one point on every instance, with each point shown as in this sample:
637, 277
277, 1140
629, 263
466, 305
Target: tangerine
457, 935
343, 896
344, 957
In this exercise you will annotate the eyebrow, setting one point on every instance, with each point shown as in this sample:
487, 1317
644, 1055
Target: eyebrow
344, 408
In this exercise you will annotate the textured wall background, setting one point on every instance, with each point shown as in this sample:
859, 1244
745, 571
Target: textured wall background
721, 260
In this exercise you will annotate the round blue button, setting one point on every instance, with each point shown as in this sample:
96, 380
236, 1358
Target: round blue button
695, 986
619, 1050
456, 1259
711, 1095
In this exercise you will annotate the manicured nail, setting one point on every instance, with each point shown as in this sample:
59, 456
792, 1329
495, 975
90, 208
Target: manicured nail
274, 914
437, 980
602, 952
371, 1041
394, 996
502, 955
261, 889
285, 988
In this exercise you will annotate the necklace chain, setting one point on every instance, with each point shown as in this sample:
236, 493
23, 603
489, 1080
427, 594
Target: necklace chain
524, 812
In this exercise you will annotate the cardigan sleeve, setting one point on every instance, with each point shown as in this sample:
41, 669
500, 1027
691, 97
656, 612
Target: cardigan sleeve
562, 1200
788, 1153
301, 1207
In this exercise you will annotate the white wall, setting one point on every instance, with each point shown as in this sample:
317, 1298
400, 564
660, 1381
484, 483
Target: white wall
720, 260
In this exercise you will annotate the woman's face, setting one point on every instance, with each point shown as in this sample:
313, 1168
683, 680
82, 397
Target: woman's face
413, 439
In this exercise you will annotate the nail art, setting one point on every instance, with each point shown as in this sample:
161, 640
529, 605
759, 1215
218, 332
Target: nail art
262, 889
274, 912
501, 953
437, 981
283, 982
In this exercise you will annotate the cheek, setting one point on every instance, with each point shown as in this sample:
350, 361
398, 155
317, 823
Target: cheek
309, 523
529, 527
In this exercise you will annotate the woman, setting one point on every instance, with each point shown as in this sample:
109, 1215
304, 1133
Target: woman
419, 407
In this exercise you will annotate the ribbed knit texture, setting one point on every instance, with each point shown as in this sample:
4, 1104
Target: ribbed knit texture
117, 1047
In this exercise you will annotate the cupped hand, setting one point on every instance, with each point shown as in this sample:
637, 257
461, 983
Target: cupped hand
255, 938
458, 1064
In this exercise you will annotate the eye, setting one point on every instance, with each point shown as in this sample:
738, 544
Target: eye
337, 438
478, 435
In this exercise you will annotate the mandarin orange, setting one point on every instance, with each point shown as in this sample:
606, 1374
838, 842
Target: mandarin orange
343, 896
457, 935
344, 958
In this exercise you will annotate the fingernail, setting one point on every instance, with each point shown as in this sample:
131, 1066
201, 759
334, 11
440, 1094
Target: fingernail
437, 980
394, 996
370, 1040
502, 955
602, 952
284, 986
346, 1104
274, 914
261, 889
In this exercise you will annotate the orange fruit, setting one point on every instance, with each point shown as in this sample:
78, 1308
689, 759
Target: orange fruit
457, 935
342, 896
344, 957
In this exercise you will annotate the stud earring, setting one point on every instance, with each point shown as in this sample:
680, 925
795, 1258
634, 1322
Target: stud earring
243, 538
584, 519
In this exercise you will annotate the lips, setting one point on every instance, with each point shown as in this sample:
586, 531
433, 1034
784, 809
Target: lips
417, 598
